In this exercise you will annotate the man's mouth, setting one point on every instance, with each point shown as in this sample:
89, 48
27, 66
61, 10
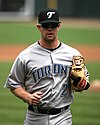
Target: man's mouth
49, 34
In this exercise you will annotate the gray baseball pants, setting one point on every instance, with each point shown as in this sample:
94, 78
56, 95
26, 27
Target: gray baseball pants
63, 118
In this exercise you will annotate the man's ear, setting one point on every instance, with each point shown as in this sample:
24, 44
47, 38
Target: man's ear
58, 27
38, 26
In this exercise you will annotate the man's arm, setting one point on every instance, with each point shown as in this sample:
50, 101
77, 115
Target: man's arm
32, 99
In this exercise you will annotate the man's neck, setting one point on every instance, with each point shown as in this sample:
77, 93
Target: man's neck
49, 44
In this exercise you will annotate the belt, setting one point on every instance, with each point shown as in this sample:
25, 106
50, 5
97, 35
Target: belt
49, 111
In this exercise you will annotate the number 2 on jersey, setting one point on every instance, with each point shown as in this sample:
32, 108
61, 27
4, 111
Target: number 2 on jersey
64, 89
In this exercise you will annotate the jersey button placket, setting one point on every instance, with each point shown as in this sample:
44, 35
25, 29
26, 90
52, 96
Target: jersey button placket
51, 55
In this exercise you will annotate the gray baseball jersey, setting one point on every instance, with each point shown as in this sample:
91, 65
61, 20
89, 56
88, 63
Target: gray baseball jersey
39, 69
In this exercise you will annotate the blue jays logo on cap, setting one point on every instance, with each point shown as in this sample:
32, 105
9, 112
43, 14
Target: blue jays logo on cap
48, 16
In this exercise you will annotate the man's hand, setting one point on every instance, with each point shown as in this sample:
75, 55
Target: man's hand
34, 98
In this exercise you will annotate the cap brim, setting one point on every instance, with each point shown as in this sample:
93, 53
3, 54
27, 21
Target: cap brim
49, 21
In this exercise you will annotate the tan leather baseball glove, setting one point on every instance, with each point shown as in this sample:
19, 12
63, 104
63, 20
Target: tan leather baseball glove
78, 79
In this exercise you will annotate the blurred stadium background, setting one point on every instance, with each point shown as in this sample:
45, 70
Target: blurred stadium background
80, 27
28, 9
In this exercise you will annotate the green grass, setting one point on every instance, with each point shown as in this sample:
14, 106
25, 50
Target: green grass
18, 33
12, 109
85, 109
27, 33
80, 35
94, 70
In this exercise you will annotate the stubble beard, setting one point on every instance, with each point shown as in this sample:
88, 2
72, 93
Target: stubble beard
49, 40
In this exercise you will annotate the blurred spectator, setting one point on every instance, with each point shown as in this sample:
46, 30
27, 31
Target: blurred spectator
11, 5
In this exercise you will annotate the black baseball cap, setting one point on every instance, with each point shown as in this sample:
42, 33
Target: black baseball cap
48, 15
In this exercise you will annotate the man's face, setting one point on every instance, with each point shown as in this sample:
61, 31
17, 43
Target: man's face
49, 31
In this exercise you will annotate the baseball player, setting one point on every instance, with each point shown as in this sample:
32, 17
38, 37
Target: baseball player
40, 75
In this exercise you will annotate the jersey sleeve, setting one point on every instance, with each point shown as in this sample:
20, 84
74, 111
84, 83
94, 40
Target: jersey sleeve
16, 76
